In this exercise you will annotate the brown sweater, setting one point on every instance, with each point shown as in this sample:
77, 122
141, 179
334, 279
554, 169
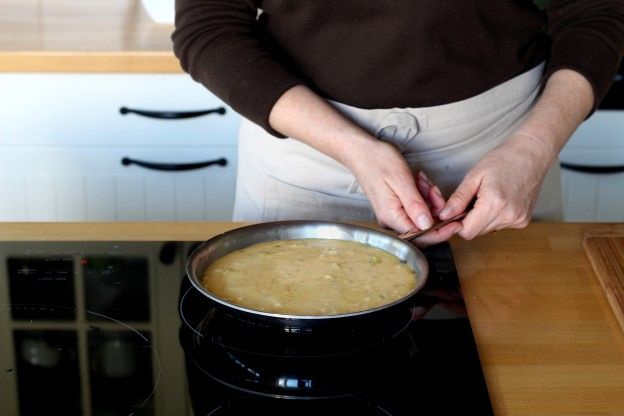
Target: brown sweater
389, 53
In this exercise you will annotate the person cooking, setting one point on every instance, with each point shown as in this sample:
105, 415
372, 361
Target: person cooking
362, 110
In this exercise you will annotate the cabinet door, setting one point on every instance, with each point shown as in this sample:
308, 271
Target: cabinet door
593, 197
92, 184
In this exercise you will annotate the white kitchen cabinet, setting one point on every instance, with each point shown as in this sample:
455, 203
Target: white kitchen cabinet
63, 140
91, 184
599, 142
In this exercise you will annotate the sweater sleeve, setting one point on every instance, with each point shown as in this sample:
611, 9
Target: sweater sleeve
218, 44
588, 37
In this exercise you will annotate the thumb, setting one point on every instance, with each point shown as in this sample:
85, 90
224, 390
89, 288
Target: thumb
461, 198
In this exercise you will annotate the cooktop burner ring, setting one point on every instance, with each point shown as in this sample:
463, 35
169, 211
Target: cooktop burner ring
182, 314
258, 393
303, 376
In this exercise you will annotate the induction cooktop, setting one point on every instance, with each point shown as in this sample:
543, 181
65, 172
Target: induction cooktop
116, 328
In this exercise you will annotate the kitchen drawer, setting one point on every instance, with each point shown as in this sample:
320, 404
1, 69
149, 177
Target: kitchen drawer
84, 109
91, 184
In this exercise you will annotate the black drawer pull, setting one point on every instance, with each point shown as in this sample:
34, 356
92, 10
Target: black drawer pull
173, 167
172, 115
593, 169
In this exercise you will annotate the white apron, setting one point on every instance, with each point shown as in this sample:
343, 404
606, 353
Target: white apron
282, 179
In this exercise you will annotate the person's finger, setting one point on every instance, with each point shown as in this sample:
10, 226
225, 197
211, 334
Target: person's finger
413, 203
487, 212
424, 188
497, 224
463, 195
509, 215
396, 219
439, 235
431, 192
437, 199
475, 222
494, 225
433, 197
422, 175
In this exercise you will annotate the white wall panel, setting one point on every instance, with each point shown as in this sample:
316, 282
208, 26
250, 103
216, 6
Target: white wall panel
69, 196
100, 198
40, 198
130, 198
220, 197
610, 201
13, 198
190, 198
160, 197
590, 197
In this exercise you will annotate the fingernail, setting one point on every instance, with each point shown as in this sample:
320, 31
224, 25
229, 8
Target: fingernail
438, 192
425, 178
424, 222
445, 213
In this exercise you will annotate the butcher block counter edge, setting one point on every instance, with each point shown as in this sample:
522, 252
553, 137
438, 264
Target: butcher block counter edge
89, 61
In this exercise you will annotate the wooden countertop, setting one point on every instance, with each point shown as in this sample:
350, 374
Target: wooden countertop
548, 340
82, 36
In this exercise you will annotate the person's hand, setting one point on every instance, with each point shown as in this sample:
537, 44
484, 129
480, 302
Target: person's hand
432, 194
390, 186
400, 201
506, 182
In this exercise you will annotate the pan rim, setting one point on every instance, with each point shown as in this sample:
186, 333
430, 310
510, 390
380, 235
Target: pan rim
422, 278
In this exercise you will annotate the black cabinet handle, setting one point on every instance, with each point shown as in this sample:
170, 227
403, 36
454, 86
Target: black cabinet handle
593, 169
172, 115
126, 161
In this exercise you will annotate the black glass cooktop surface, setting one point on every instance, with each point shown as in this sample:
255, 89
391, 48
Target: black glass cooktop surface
103, 328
